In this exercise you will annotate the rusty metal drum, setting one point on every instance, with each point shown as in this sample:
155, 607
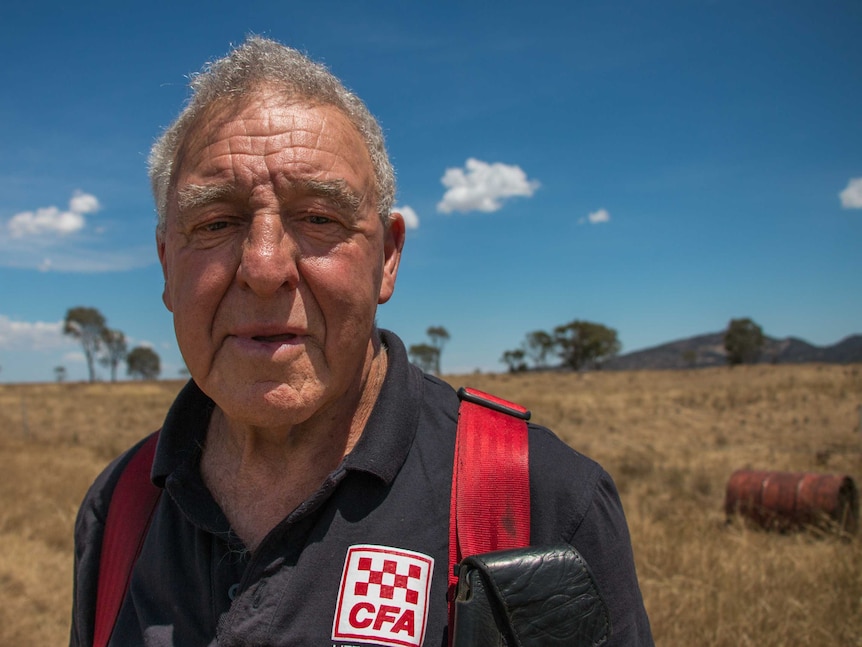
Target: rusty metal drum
793, 500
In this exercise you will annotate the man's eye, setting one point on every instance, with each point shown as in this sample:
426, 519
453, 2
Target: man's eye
215, 226
317, 219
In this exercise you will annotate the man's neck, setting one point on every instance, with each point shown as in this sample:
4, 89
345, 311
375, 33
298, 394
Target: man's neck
259, 476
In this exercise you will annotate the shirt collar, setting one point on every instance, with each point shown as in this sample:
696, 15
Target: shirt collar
183, 432
381, 450
391, 427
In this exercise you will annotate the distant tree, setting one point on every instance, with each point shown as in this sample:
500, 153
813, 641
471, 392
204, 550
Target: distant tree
115, 350
143, 363
537, 346
584, 343
60, 373
87, 325
743, 341
439, 336
424, 356
514, 359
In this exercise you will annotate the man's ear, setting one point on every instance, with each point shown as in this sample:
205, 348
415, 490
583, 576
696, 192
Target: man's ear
393, 243
163, 260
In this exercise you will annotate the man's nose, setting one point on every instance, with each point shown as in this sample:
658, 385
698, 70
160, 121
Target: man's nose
269, 256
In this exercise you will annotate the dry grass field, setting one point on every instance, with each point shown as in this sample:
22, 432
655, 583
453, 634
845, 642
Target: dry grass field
670, 439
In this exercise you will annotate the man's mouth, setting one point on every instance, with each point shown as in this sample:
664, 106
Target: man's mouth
269, 339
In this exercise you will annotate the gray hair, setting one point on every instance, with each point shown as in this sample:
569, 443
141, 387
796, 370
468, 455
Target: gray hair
260, 62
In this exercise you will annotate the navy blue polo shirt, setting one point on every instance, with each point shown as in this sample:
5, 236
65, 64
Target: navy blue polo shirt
363, 561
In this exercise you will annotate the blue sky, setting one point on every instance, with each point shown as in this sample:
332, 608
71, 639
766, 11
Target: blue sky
659, 167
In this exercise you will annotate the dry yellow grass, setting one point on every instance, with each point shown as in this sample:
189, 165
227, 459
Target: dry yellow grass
670, 439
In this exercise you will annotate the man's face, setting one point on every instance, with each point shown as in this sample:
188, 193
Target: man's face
275, 259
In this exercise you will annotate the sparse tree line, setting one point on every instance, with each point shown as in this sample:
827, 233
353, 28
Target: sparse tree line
583, 344
106, 346
576, 345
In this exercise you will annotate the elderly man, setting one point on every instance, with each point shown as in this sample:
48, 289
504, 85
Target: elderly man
304, 433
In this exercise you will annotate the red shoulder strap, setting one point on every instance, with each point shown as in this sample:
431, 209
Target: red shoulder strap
491, 458
490, 506
129, 514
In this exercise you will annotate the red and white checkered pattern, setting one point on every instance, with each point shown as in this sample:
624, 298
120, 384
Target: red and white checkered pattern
383, 597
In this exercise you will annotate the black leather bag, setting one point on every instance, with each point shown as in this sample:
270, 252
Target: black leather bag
528, 597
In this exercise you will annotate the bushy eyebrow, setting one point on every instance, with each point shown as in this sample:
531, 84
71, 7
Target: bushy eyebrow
336, 191
339, 192
193, 196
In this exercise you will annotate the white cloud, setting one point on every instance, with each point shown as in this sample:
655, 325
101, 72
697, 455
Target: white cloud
52, 220
51, 239
851, 197
47, 220
31, 335
411, 218
480, 186
601, 215
84, 202
596, 217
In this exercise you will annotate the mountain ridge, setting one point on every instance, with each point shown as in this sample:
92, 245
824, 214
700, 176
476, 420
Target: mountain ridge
706, 350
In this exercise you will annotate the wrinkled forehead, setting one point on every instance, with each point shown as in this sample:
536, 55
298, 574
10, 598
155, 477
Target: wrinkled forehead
259, 105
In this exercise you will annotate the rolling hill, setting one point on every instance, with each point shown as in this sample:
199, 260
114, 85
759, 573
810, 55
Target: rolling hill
708, 350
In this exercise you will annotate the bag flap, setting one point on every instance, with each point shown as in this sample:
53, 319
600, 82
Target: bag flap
548, 595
